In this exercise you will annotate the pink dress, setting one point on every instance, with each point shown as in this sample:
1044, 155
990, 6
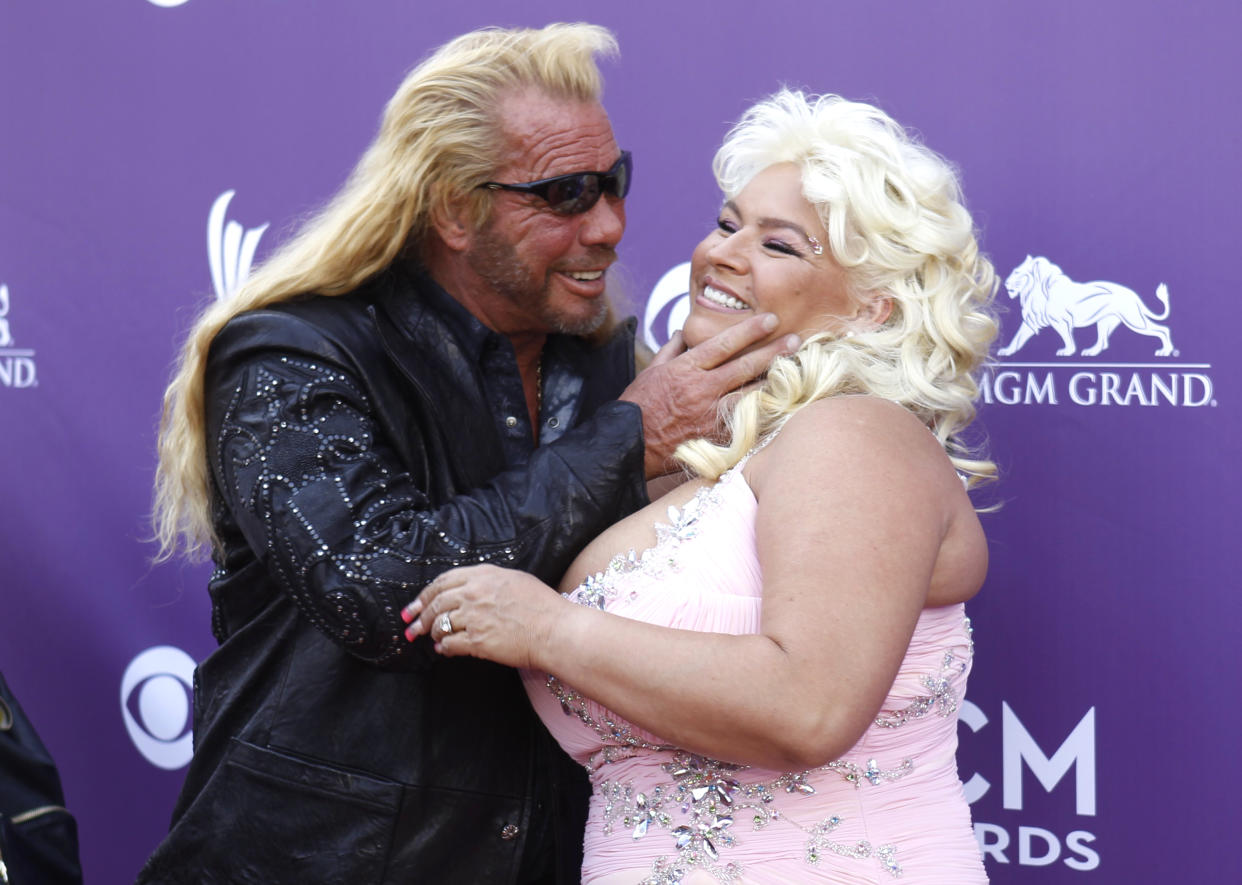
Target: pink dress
892, 807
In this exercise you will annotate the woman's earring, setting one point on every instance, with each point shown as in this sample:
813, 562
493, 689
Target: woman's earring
816, 246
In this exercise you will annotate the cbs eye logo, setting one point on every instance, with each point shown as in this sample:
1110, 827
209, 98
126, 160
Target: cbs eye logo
155, 704
667, 306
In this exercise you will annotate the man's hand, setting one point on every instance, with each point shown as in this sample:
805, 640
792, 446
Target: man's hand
680, 392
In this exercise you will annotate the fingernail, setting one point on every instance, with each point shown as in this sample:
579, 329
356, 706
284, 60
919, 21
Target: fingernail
770, 321
406, 616
410, 634
793, 342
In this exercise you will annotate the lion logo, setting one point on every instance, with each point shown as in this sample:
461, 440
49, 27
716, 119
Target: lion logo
1050, 298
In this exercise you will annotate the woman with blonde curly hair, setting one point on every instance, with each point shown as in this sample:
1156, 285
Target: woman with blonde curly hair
768, 692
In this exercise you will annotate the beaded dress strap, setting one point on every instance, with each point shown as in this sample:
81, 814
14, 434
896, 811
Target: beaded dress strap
754, 450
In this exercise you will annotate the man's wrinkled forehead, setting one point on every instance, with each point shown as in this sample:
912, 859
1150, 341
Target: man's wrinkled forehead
545, 135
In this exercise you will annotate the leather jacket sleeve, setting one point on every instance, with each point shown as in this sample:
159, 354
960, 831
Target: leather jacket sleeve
303, 468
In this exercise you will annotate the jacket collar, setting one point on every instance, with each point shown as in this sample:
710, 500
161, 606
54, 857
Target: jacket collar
424, 313
434, 339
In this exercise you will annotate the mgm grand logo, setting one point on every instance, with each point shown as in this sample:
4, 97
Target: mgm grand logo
1050, 299
17, 365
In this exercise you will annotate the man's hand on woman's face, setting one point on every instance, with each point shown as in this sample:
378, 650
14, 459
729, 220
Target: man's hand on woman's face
680, 392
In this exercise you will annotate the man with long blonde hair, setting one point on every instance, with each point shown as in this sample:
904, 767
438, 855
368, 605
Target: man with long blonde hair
427, 375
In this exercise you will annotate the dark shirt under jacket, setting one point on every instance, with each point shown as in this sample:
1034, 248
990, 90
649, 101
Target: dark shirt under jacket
493, 357
359, 446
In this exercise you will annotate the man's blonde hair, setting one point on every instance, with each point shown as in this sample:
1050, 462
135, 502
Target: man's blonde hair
439, 138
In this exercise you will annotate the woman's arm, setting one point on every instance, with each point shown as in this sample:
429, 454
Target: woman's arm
854, 501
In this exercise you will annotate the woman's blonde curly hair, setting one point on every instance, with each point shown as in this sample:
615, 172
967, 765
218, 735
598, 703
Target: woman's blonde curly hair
439, 138
896, 225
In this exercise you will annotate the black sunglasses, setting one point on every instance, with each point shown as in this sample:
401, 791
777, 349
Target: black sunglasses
578, 191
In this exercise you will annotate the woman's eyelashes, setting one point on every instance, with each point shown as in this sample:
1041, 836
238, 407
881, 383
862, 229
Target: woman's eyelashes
727, 227
782, 247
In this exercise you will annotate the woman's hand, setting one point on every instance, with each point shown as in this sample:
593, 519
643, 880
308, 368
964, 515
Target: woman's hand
485, 611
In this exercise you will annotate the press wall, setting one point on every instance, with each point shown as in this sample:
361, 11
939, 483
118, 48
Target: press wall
149, 151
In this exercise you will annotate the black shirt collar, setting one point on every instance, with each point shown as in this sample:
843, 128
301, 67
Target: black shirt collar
472, 336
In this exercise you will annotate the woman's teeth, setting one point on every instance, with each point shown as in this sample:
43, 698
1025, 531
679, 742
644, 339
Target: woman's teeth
715, 296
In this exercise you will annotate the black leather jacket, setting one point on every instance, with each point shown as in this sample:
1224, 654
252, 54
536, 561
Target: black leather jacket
354, 458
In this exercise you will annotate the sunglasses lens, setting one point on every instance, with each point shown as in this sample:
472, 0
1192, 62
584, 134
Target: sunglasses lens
574, 193
578, 193
618, 182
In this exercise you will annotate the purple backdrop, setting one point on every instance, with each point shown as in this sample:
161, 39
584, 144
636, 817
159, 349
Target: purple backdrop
1099, 136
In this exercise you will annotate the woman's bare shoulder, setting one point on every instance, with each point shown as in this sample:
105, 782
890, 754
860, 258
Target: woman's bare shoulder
854, 415
849, 432
862, 460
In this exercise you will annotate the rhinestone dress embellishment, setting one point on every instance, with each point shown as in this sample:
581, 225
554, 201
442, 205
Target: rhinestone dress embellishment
656, 561
700, 803
941, 694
